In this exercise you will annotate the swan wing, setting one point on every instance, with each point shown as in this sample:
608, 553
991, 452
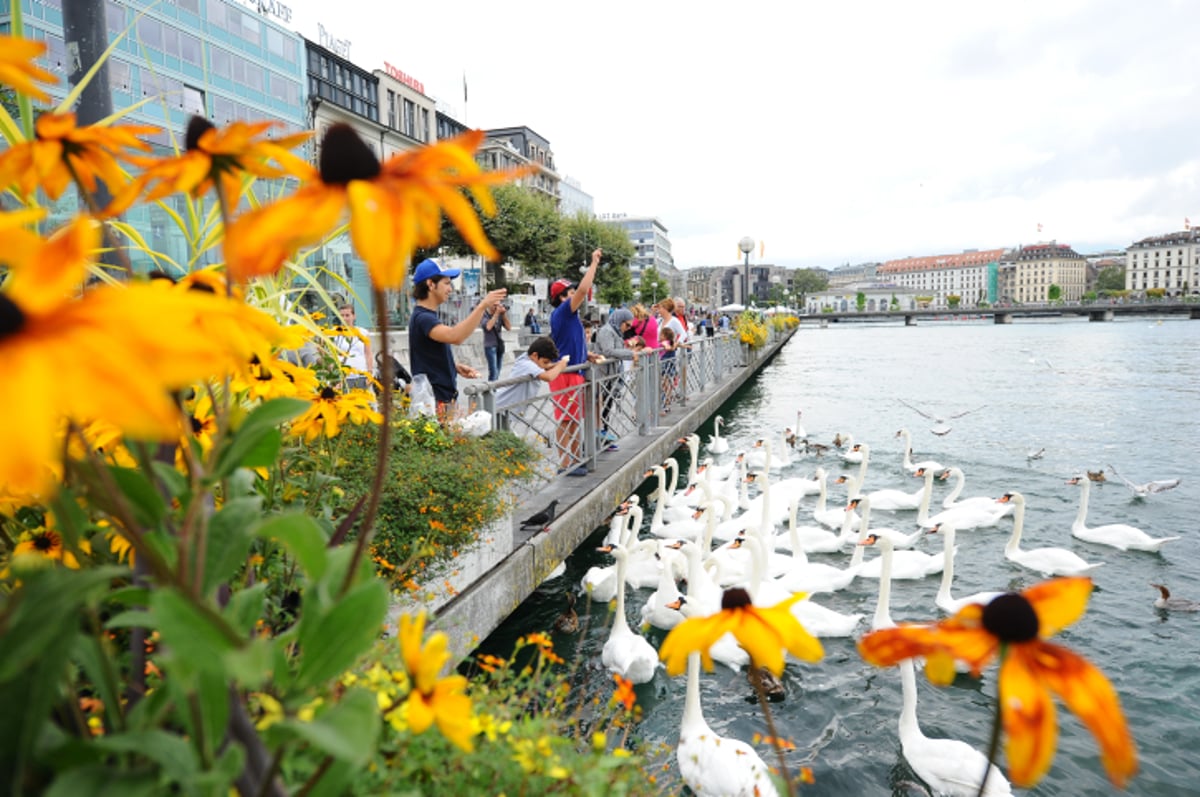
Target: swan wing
949, 766
713, 765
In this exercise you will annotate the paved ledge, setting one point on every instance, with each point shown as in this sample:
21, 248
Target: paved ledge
584, 504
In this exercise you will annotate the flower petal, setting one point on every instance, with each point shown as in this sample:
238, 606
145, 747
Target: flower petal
695, 634
1058, 603
1030, 723
1091, 697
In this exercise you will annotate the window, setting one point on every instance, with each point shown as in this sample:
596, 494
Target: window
221, 62
409, 122
170, 37
189, 49
115, 16
189, 5
193, 101
149, 31
118, 75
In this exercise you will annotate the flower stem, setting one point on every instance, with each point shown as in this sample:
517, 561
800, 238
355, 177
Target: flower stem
762, 701
994, 741
385, 444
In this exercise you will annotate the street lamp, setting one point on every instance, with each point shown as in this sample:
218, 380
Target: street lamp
747, 246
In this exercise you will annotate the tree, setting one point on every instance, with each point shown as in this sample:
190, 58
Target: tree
953, 300
653, 287
582, 234
1054, 292
860, 301
809, 280
895, 304
618, 289
1111, 279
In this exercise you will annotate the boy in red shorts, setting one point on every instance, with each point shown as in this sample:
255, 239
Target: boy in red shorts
567, 390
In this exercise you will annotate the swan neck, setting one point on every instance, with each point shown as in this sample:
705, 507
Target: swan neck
1081, 515
947, 565
908, 712
622, 563
883, 607
1014, 542
960, 481
926, 496
693, 715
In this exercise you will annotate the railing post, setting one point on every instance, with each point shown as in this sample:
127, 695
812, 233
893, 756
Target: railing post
591, 408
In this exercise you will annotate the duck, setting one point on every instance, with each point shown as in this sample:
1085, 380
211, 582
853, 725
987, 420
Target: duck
839, 441
947, 766
770, 684
1165, 601
716, 443
908, 464
944, 600
626, 653
1047, 561
568, 621
1097, 475
1117, 535
713, 765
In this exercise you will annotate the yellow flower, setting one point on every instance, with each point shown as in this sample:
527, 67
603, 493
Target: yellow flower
112, 353
272, 711
434, 699
764, 633
330, 409
48, 543
18, 70
1013, 627
394, 207
213, 155
58, 147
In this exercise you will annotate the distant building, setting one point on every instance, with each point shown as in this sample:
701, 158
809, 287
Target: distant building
971, 275
510, 147
1026, 273
1170, 262
651, 245
573, 199
846, 276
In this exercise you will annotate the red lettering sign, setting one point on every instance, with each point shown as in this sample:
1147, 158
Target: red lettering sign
407, 80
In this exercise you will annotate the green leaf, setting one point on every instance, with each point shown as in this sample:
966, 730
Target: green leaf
103, 781
337, 780
229, 539
192, 637
147, 503
90, 653
176, 483
331, 642
246, 606
251, 666
172, 753
212, 700
134, 618
247, 441
346, 731
264, 451
303, 538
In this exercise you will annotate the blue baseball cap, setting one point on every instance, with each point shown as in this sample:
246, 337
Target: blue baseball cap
428, 269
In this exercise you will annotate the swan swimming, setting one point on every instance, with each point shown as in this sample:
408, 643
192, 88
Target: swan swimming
1047, 561
1118, 535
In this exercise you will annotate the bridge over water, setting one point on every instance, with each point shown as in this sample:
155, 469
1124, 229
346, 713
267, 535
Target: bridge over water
1005, 315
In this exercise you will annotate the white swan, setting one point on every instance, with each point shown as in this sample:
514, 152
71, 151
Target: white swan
799, 429
906, 565
898, 539
805, 576
626, 653
692, 441
712, 765
1047, 561
893, 499
812, 539
952, 500
600, 581
832, 518
818, 620
854, 455
764, 455
947, 766
716, 443
910, 466
1118, 535
657, 610
944, 600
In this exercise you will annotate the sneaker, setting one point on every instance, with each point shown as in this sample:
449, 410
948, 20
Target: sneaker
607, 435
612, 447
580, 471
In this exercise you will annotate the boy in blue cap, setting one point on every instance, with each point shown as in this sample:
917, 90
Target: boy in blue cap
429, 340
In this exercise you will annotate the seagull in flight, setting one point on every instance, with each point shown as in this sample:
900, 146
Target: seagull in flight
1038, 454
1143, 490
940, 426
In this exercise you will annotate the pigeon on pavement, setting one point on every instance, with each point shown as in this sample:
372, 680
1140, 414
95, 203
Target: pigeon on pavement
541, 519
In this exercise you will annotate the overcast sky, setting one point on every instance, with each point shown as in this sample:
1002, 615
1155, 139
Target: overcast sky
832, 132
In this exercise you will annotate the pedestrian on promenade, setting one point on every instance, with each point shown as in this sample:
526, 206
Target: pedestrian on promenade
668, 365
645, 325
495, 321
532, 323
429, 340
540, 360
353, 348
683, 344
566, 329
610, 344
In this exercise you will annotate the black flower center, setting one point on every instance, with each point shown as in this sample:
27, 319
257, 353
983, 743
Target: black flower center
735, 598
197, 127
11, 317
45, 542
1011, 618
197, 425
345, 157
328, 393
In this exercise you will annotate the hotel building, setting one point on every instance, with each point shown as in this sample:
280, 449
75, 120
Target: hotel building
1026, 273
1170, 262
970, 275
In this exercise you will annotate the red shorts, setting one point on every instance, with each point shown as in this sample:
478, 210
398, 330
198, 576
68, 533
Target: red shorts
568, 403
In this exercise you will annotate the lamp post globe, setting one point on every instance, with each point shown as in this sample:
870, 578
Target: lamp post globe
747, 246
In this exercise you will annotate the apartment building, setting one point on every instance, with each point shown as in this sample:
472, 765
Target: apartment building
971, 275
510, 147
1170, 262
1027, 273
651, 243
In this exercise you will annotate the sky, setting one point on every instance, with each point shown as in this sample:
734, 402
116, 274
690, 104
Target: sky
831, 133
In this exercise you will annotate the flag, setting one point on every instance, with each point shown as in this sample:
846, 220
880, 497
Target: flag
1187, 224
464, 88
762, 247
1039, 226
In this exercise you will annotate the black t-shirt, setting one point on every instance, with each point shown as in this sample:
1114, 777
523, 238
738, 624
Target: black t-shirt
427, 356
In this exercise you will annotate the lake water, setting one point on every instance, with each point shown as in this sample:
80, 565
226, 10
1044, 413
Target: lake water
1125, 393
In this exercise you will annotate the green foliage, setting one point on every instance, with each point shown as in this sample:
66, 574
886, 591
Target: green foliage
809, 280
526, 228
1155, 294
895, 303
618, 290
860, 301
653, 287
1053, 293
953, 300
1111, 279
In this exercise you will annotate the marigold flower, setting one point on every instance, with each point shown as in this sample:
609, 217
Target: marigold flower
18, 70
59, 147
433, 699
1013, 627
394, 207
113, 353
764, 633
213, 155
624, 693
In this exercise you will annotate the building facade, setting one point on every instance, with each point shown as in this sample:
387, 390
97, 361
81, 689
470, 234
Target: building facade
573, 199
846, 276
218, 59
971, 275
510, 147
1026, 274
1170, 262
651, 244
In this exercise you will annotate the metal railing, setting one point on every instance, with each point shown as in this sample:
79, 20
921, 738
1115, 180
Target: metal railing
626, 400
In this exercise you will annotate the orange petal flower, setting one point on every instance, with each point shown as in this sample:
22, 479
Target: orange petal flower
18, 70
394, 207
1014, 627
214, 154
59, 147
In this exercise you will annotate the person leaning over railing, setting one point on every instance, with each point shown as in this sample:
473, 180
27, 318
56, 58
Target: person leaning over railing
541, 361
610, 344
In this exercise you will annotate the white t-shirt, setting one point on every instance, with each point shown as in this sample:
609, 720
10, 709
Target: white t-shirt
351, 351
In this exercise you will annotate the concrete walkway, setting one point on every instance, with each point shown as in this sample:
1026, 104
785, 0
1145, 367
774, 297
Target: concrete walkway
583, 505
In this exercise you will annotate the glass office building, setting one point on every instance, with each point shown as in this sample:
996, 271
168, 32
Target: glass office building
217, 58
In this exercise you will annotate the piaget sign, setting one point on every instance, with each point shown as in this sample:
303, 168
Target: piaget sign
271, 8
333, 44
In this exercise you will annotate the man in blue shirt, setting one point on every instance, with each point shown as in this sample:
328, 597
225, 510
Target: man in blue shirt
567, 390
429, 340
